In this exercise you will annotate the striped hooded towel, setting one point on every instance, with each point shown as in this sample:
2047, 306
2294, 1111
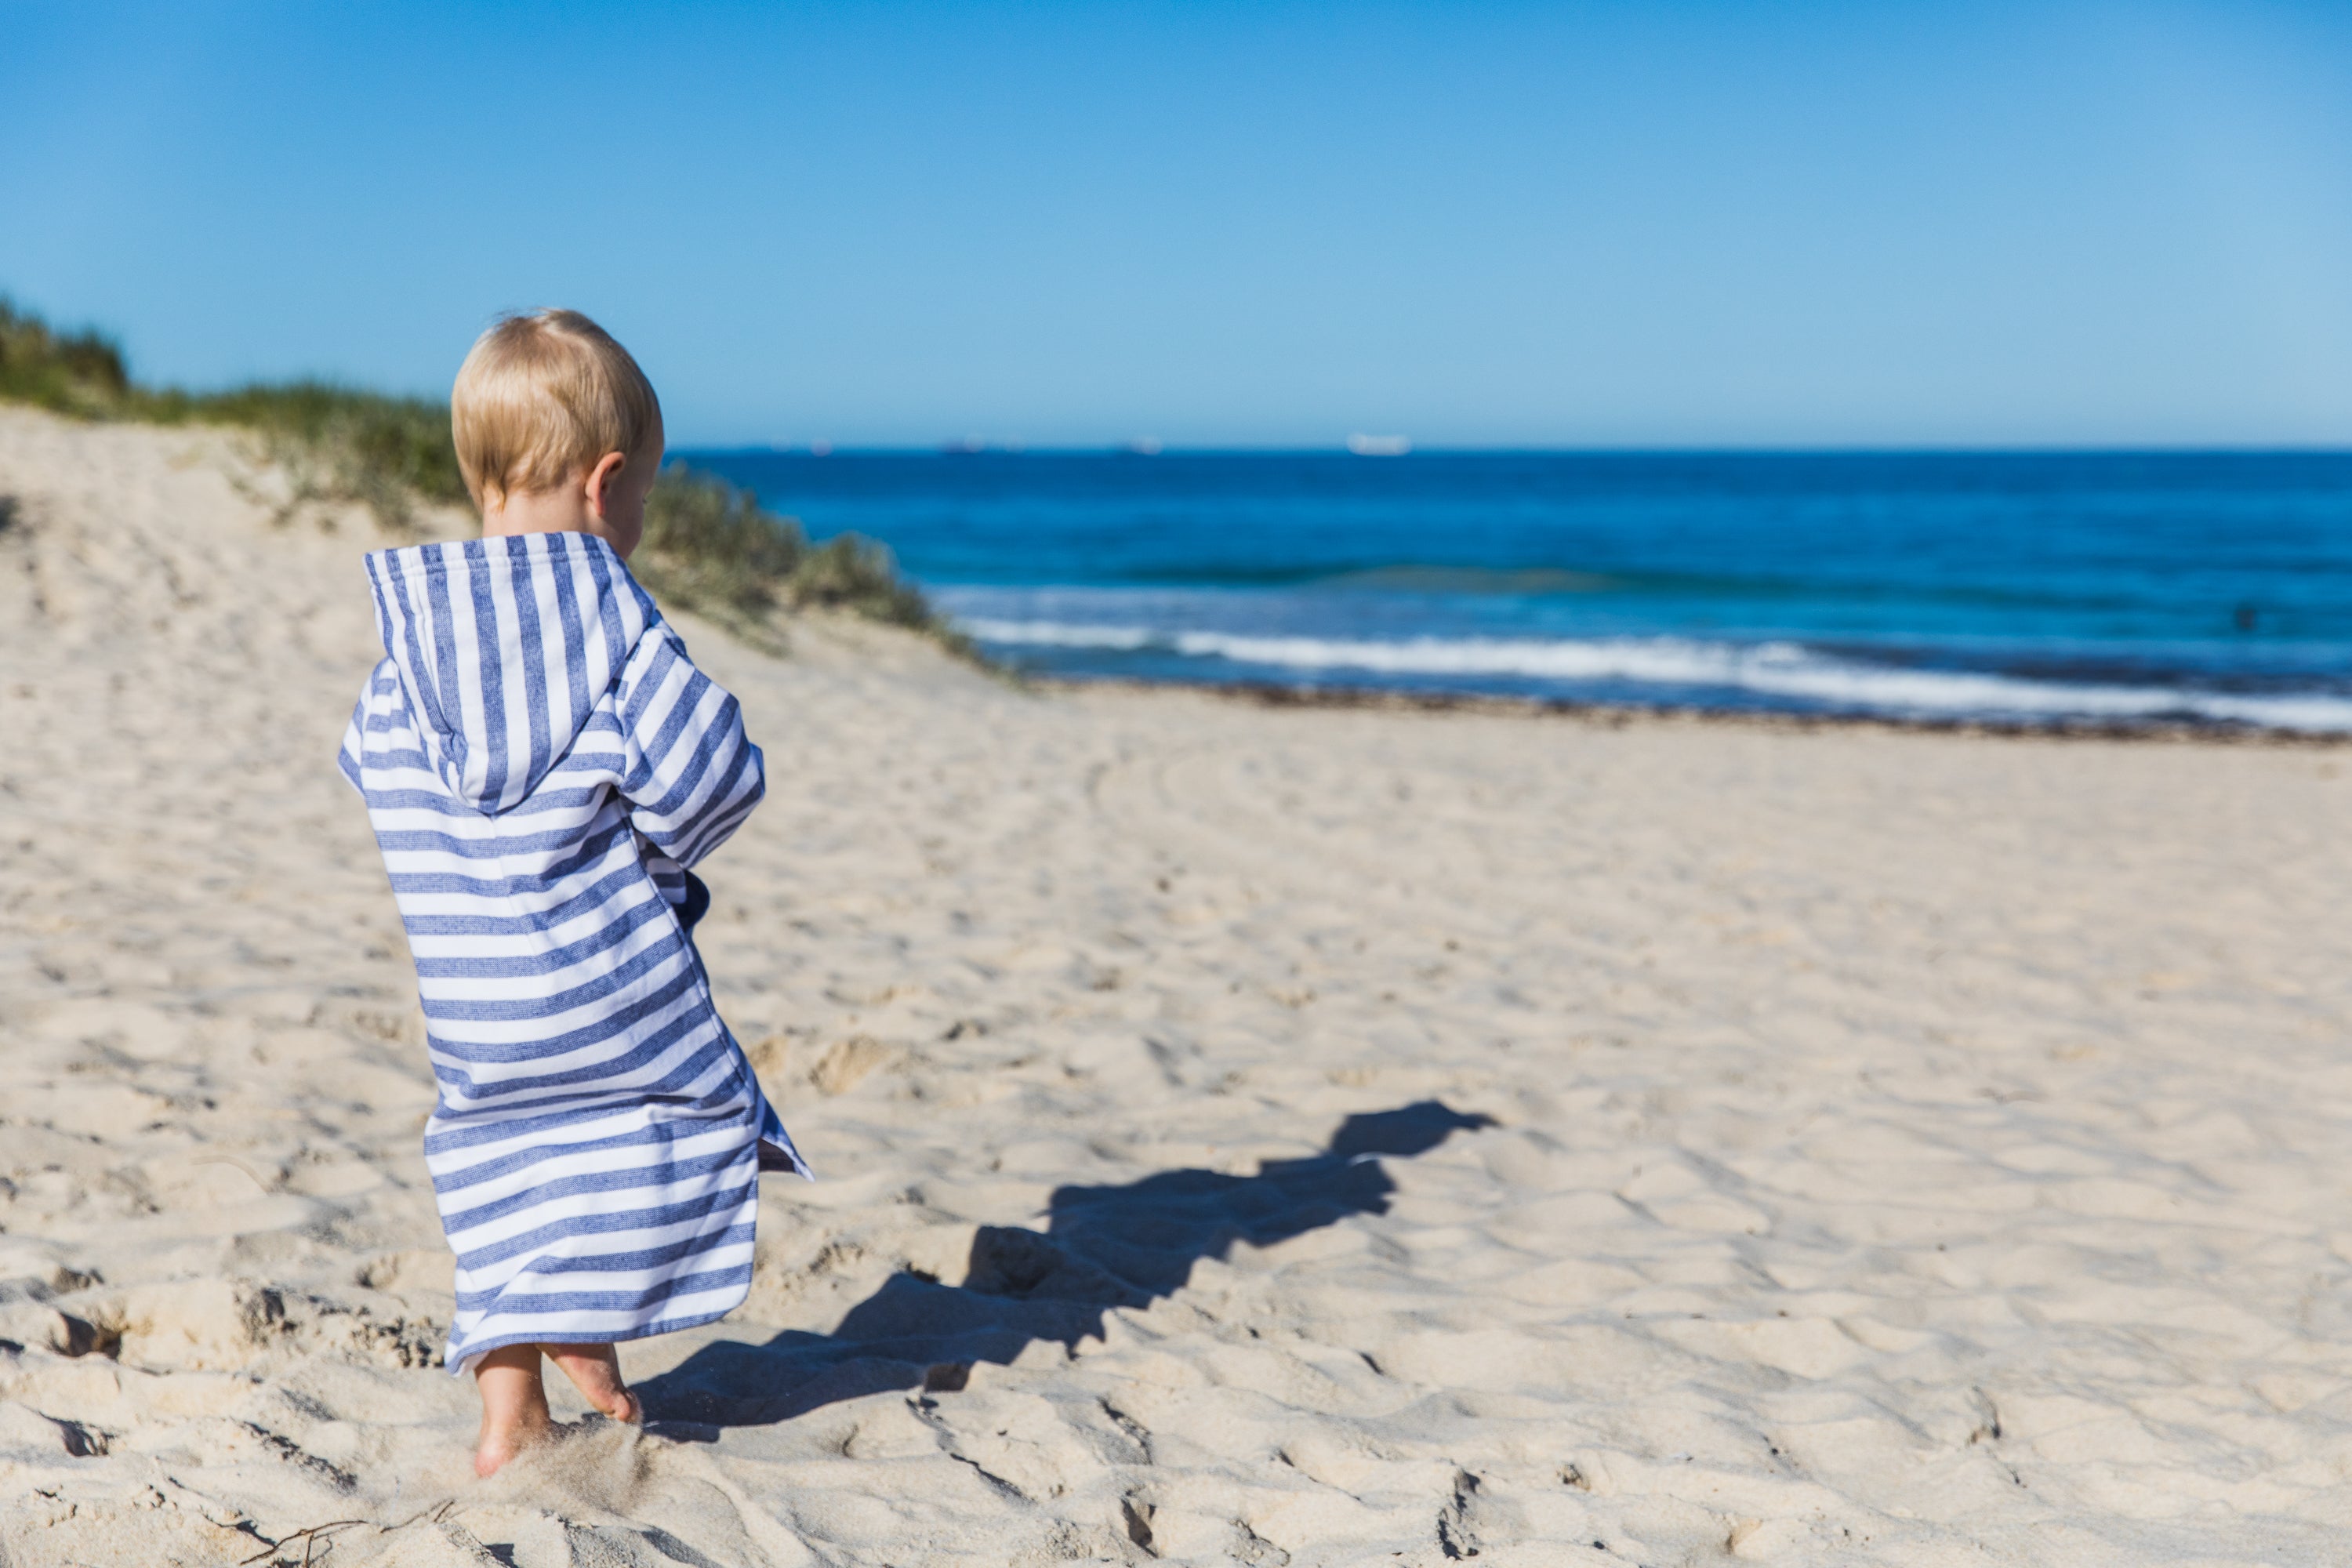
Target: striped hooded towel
543, 764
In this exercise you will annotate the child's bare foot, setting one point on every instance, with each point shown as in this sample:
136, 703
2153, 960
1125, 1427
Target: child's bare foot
514, 1405
596, 1370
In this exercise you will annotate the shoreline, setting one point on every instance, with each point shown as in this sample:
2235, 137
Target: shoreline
1625, 715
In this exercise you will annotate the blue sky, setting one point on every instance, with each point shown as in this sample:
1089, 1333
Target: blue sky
1475, 224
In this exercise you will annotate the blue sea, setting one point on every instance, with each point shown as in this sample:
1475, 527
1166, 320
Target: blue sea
2108, 589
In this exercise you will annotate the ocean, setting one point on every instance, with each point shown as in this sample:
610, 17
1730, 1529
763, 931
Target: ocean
2109, 589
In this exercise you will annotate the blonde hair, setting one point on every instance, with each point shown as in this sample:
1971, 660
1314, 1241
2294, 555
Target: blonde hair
543, 395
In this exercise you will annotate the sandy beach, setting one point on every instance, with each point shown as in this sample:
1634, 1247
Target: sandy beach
1248, 1134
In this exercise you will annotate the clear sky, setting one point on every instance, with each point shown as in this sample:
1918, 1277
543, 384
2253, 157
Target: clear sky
1473, 223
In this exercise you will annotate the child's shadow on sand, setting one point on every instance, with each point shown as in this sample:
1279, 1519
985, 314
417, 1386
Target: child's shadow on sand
1102, 1247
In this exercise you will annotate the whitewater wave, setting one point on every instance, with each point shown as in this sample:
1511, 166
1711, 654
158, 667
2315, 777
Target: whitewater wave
1785, 670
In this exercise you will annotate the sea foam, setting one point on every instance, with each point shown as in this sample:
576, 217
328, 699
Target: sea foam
1785, 670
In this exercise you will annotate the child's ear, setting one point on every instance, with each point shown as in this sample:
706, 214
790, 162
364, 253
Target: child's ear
602, 479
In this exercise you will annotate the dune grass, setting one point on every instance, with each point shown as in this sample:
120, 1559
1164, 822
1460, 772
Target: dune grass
708, 547
71, 372
337, 443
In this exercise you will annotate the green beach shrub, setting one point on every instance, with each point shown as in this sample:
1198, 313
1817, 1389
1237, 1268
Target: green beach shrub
68, 373
337, 443
710, 547
851, 571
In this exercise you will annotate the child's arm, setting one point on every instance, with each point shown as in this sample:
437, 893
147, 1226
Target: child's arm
692, 775
354, 753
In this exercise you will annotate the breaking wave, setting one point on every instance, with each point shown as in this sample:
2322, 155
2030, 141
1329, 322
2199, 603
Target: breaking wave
1785, 671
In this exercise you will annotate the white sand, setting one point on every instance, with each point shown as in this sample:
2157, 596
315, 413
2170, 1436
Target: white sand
1905, 1148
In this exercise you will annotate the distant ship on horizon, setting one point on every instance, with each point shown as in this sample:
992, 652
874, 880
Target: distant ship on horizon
1365, 446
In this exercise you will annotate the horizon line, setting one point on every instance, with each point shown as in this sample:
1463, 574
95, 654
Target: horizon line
1125, 449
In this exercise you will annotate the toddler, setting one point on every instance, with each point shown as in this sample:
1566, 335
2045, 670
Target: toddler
543, 766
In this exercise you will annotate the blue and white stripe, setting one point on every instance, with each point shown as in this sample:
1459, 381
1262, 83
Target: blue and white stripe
542, 764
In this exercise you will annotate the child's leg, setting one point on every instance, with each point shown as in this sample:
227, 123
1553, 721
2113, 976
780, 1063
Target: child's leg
596, 1370
514, 1398
514, 1404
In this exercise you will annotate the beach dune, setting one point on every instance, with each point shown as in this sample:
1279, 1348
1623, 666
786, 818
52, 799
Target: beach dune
1248, 1133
